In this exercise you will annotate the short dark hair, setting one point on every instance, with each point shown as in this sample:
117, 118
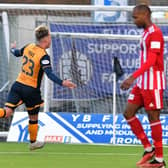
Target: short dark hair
143, 7
41, 32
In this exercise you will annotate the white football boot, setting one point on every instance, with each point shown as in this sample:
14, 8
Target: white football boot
36, 145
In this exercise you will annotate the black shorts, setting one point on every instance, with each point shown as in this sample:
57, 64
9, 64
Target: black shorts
21, 93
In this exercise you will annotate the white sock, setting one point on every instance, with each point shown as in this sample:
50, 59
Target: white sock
159, 159
148, 149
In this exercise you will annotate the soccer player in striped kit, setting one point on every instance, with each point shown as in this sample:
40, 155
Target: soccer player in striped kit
148, 91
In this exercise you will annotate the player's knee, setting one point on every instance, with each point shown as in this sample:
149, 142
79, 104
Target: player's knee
128, 114
130, 111
33, 121
33, 114
153, 117
8, 112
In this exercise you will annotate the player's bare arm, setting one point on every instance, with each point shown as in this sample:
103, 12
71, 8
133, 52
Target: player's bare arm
149, 63
69, 84
13, 45
127, 83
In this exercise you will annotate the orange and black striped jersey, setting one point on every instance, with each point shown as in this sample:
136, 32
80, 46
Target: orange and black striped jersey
35, 61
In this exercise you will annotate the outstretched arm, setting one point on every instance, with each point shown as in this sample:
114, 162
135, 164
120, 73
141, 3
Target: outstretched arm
46, 65
52, 76
16, 52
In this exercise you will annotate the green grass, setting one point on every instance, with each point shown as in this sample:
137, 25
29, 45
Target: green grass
13, 155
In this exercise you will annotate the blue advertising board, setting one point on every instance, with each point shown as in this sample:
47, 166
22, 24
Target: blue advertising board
99, 127
81, 128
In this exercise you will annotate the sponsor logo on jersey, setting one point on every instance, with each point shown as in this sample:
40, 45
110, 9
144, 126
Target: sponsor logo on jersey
45, 62
155, 44
131, 97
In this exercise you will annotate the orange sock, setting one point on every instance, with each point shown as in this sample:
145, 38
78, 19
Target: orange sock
2, 113
33, 129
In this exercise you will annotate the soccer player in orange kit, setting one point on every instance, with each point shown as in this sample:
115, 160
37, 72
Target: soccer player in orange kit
26, 88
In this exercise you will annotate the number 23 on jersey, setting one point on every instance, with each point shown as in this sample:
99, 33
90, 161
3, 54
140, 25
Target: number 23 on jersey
27, 66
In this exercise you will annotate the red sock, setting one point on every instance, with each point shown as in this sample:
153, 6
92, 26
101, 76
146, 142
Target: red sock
156, 129
138, 130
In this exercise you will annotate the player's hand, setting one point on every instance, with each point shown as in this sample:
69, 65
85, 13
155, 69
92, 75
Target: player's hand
127, 83
69, 84
13, 45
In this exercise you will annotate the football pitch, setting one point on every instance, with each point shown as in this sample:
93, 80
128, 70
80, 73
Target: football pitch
15, 155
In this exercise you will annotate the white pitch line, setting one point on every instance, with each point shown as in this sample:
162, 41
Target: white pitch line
111, 145
67, 153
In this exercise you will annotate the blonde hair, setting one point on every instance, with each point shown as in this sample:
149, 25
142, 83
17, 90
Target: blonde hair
41, 32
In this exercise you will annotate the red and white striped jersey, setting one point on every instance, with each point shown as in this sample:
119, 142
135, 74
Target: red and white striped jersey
151, 72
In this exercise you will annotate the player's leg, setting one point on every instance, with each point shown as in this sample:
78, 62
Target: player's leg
6, 112
153, 105
136, 126
33, 101
135, 102
3, 112
33, 129
33, 124
13, 101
